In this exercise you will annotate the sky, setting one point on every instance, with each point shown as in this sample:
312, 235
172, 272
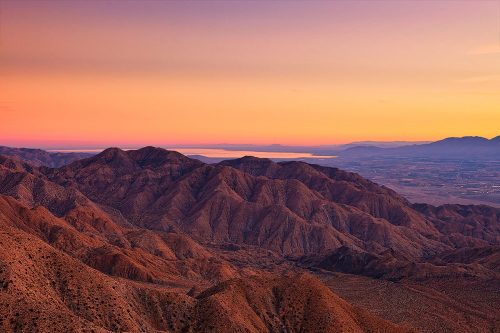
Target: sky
94, 73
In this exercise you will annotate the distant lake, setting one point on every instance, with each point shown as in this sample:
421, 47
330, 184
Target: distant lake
216, 153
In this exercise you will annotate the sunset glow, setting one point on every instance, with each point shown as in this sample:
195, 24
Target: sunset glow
122, 73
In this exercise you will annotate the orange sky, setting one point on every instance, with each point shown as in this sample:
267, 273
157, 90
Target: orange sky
247, 72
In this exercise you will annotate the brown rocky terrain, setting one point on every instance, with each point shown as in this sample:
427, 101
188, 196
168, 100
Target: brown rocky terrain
40, 157
149, 240
432, 304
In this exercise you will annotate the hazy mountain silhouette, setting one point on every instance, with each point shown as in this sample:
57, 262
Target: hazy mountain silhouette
468, 147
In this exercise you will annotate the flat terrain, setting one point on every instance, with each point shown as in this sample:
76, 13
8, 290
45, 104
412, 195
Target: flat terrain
431, 180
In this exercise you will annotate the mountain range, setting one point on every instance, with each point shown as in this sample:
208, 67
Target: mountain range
464, 148
150, 240
40, 157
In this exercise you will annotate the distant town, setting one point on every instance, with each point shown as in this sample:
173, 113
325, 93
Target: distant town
436, 181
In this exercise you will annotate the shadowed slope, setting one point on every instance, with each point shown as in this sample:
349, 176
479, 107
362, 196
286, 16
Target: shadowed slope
45, 290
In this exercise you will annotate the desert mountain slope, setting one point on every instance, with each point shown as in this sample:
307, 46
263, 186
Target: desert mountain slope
172, 244
163, 190
44, 289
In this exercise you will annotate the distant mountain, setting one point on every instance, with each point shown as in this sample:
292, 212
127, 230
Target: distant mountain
469, 147
39, 157
315, 149
464, 141
381, 144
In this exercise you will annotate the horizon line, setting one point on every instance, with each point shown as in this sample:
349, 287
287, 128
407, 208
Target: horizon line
103, 145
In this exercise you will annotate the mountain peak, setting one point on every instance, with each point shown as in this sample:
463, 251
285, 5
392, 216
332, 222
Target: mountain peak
144, 157
248, 159
463, 140
156, 157
112, 154
252, 165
